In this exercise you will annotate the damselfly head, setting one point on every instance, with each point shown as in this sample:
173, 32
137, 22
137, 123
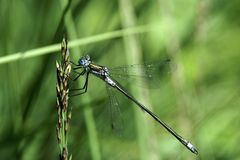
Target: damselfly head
84, 61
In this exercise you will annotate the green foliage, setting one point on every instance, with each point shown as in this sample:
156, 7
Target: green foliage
199, 98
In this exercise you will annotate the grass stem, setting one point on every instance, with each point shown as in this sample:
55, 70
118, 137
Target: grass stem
63, 110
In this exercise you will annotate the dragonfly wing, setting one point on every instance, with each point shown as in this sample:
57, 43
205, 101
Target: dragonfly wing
142, 74
114, 111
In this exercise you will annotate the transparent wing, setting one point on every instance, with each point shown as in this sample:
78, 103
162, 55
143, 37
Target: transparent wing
114, 111
142, 74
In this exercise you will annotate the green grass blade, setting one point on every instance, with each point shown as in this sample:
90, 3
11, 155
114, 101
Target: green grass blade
87, 111
75, 43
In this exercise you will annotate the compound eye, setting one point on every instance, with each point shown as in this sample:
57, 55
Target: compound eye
81, 62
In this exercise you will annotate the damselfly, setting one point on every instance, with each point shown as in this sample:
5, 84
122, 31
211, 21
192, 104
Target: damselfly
102, 72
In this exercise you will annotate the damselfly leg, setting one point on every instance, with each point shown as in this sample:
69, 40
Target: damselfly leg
83, 89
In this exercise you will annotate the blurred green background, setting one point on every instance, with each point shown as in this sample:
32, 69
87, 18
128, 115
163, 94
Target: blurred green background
199, 98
